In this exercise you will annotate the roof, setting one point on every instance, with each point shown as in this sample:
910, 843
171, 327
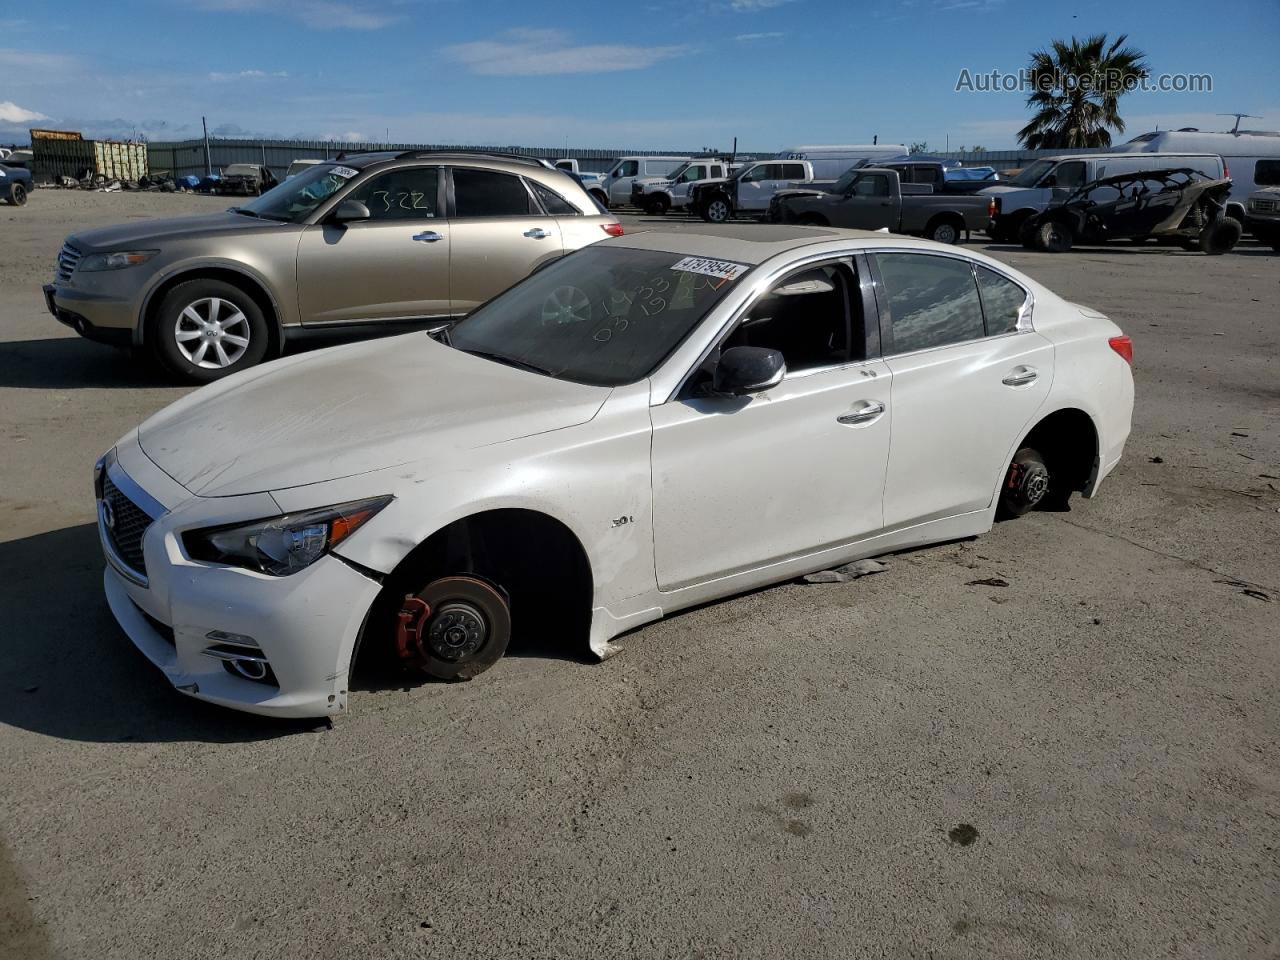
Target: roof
742, 243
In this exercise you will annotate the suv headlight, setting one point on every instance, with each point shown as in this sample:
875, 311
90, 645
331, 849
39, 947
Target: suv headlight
282, 545
117, 260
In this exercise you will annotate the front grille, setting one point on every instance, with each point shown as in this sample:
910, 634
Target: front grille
1262, 206
123, 523
68, 257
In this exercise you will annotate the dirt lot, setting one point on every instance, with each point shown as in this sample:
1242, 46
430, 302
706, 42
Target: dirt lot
797, 772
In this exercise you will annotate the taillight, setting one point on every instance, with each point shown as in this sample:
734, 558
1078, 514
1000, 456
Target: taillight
992, 208
1226, 171
1124, 347
612, 229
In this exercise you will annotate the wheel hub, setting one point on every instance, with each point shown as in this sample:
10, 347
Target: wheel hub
457, 630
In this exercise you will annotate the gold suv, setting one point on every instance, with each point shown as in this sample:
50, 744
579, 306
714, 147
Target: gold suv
368, 242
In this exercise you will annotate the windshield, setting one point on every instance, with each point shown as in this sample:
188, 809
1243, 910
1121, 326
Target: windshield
297, 197
240, 170
1030, 176
603, 316
846, 178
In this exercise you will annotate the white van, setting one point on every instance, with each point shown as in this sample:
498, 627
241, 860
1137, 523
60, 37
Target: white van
830, 161
1249, 154
1055, 178
618, 180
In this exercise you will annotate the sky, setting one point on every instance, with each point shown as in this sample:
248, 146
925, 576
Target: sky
617, 74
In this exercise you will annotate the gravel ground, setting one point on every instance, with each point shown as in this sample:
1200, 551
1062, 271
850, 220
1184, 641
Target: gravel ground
1081, 764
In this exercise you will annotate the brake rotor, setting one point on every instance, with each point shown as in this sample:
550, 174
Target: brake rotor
455, 628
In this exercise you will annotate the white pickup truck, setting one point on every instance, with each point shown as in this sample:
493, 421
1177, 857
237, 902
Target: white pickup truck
656, 195
749, 191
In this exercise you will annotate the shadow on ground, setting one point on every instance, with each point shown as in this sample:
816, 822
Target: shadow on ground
68, 670
70, 363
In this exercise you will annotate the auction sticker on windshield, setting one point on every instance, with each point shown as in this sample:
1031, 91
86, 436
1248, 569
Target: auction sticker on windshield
721, 269
346, 173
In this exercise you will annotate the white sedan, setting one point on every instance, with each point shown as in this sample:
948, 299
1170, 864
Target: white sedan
650, 423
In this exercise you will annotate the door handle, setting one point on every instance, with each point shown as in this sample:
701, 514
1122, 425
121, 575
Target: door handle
428, 236
1021, 376
865, 412
537, 233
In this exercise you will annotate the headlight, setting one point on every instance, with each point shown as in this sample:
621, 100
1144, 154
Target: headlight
282, 545
115, 261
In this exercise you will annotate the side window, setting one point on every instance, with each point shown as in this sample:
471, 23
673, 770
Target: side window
1002, 301
552, 202
1069, 174
693, 173
1266, 173
792, 171
806, 317
871, 185
401, 194
933, 301
629, 168
483, 193
758, 173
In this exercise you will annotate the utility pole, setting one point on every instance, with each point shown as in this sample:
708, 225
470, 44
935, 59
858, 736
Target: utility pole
208, 162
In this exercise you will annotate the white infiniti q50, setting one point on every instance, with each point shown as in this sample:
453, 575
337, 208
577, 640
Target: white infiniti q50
649, 423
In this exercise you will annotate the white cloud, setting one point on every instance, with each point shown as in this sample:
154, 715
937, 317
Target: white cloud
350, 136
247, 75
751, 6
752, 37
527, 52
34, 60
316, 14
10, 112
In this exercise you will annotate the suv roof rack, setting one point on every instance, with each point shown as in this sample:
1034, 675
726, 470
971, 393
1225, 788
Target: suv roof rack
489, 154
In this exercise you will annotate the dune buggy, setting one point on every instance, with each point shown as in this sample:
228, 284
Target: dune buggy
1183, 204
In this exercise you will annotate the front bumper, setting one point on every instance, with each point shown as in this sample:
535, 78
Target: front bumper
305, 626
95, 314
71, 312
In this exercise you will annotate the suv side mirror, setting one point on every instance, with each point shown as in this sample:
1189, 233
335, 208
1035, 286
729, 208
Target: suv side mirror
350, 211
745, 370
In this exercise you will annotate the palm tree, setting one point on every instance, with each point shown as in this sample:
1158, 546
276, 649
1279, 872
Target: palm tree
1076, 88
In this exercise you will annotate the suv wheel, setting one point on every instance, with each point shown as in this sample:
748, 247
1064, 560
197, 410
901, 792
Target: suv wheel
207, 329
17, 195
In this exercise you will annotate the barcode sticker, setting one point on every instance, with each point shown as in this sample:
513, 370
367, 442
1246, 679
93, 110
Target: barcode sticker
721, 269
346, 173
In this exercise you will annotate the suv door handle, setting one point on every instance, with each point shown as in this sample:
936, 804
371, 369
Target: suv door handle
1021, 376
864, 412
537, 233
428, 236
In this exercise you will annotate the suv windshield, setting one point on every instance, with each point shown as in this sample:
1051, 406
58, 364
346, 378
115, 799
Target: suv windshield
1030, 176
294, 199
603, 316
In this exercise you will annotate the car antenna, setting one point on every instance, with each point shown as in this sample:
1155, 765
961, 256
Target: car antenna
1235, 131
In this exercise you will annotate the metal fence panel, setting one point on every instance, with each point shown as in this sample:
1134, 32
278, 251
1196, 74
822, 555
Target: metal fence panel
187, 157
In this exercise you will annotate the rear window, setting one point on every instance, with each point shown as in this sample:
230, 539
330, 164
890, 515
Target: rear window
1266, 173
483, 193
933, 301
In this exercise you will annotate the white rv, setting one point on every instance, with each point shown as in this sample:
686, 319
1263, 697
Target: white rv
829, 161
1251, 157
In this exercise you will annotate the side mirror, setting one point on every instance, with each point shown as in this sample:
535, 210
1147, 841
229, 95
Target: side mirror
349, 211
746, 370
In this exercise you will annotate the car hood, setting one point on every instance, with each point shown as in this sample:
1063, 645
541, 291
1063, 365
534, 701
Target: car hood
155, 231
350, 410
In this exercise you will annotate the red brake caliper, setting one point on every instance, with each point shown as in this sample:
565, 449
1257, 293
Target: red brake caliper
413, 616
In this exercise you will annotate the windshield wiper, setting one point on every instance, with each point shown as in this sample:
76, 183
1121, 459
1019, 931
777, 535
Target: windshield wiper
254, 213
509, 361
